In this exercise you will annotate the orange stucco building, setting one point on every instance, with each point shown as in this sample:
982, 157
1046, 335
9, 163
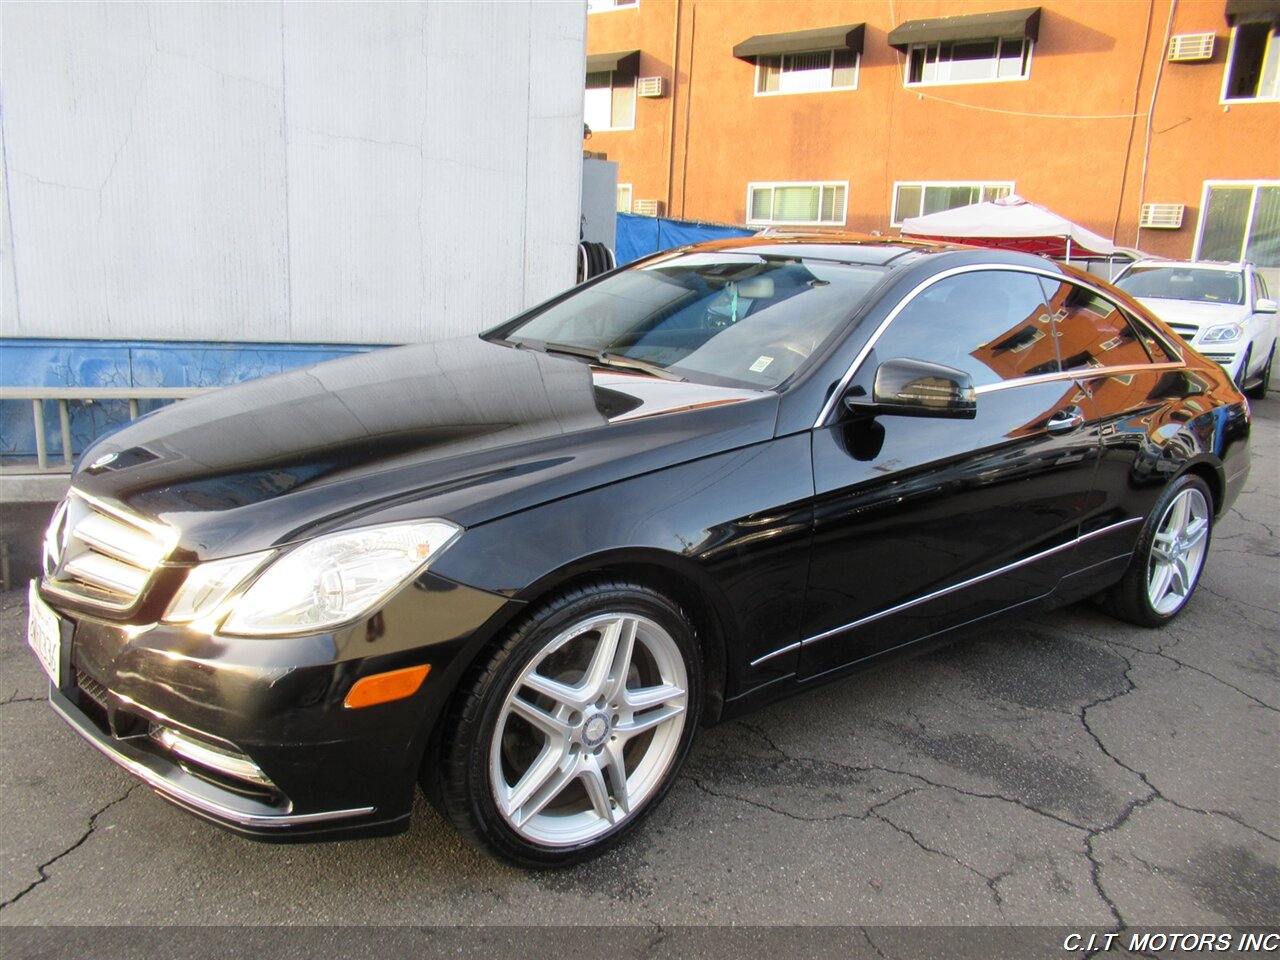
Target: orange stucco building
1092, 108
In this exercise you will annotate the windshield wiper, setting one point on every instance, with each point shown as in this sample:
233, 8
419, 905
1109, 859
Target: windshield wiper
601, 358
631, 363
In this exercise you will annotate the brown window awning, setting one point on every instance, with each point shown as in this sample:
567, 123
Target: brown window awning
1252, 11
848, 36
973, 26
625, 61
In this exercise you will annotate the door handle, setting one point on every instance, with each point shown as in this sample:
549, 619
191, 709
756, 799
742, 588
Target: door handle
1066, 420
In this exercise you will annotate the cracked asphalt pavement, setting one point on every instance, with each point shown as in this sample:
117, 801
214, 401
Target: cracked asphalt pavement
1063, 769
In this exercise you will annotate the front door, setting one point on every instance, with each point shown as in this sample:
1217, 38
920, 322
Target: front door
925, 524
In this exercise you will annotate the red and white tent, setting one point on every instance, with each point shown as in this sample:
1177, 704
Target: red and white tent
1012, 223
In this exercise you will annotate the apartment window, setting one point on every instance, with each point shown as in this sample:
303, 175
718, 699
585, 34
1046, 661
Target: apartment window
918, 199
1253, 62
601, 6
968, 61
807, 72
624, 198
610, 101
796, 203
1240, 221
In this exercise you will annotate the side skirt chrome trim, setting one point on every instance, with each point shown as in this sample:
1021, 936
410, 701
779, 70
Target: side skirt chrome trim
946, 590
777, 653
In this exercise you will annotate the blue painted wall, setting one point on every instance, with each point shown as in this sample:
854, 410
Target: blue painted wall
129, 363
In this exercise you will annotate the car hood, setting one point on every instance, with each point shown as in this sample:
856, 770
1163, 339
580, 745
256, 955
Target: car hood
463, 429
1200, 315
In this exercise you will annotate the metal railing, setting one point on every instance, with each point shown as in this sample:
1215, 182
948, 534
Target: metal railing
63, 396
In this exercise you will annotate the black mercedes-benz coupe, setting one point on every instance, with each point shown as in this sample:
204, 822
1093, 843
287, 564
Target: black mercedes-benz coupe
522, 569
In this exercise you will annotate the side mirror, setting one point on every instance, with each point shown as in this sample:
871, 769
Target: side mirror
917, 388
1265, 305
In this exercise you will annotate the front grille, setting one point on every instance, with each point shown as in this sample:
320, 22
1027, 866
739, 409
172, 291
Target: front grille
92, 689
100, 554
1185, 330
1223, 358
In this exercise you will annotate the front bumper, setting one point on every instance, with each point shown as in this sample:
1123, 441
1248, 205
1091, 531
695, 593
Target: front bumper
1229, 357
320, 769
177, 784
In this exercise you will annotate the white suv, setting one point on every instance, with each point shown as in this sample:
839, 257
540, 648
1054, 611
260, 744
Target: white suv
1221, 309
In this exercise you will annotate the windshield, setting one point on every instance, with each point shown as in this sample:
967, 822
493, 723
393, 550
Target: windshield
1183, 283
727, 318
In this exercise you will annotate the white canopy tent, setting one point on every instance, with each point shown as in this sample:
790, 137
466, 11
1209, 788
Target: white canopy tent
1013, 223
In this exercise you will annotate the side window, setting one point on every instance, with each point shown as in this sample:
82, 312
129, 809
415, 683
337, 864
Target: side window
993, 324
1092, 331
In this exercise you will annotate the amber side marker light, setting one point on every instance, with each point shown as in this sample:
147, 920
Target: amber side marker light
385, 687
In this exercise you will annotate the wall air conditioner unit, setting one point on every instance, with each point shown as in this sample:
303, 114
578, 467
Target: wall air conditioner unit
1161, 216
1190, 47
648, 208
649, 87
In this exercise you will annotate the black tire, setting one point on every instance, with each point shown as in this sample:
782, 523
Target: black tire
1131, 599
472, 742
1259, 390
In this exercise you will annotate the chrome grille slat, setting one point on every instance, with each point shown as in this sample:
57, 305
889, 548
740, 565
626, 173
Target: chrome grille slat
108, 573
119, 540
98, 554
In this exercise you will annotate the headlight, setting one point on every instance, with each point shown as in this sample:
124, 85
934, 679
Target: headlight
208, 584
1222, 333
336, 578
327, 581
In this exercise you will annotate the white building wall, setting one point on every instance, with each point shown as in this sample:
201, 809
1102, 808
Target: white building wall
365, 173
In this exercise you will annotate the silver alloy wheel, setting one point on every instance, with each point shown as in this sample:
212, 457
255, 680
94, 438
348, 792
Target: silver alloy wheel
589, 729
1177, 551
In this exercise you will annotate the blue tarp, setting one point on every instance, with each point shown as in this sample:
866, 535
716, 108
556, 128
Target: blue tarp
640, 236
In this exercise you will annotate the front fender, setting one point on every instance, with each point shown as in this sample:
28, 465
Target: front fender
734, 528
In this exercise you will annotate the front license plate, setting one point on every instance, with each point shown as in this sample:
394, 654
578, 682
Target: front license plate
44, 635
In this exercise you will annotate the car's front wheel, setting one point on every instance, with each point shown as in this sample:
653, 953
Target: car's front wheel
1242, 375
1259, 390
574, 727
1169, 557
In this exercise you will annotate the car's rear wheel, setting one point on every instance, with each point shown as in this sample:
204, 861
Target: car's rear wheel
574, 728
1259, 390
1169, 557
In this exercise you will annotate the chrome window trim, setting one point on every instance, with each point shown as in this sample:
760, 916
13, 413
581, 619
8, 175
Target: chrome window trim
1078, 373
829, 406
973, 581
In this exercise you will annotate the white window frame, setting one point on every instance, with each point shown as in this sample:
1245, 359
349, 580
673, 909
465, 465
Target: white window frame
612, 74
631, 5
630, 195
1253, 209
895, 217
1272, 40
774, 184
906, 66
857, 73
